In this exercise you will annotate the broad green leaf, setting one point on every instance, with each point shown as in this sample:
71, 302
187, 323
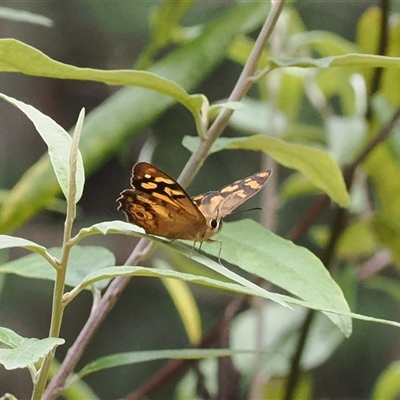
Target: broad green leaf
292, 268
59, 146
243, 244
28, 352
127, 112
316, 164
185, 304
83, 260
262, 253
134, 357
388, 385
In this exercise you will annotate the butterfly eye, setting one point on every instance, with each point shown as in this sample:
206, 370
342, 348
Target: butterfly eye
214, 223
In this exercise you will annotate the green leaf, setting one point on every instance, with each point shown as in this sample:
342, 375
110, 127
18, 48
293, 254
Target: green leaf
345, 136
262, 253
83, 260
323, 42
59, 146
357, 241
388, 385
294, 269
387, 232
7, 242
243, 244
348, 60
16, 56
127, 112
252, 114
184, 302
282, 327
165, 28
387, 285
9, 337
27, 352
134, 357
245, 287
316, 164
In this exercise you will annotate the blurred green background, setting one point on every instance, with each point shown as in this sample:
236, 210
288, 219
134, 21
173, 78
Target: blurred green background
111, 35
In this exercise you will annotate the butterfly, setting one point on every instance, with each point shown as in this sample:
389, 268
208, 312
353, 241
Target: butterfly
158, 203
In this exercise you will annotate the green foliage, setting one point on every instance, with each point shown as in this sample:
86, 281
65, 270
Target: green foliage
322, 75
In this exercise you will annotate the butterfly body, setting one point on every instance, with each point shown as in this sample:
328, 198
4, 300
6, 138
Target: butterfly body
159, 205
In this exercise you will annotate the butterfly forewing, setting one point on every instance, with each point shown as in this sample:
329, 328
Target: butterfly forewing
159, 205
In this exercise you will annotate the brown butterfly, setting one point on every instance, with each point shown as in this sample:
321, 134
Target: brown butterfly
159, 205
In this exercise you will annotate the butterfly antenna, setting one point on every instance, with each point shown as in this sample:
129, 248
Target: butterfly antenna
249, 209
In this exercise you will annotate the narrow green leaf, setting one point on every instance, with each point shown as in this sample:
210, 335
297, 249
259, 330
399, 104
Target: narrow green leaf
82, 261
59, 145
75, 185
316, 164
348, 60
325, 43
184, 302
16, 56
112, 272
134, 357
28, 352
7, 242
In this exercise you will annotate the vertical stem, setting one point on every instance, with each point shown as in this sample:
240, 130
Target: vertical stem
59, 284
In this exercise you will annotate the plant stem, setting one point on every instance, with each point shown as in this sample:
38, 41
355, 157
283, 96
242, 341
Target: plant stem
191, 168
59, 285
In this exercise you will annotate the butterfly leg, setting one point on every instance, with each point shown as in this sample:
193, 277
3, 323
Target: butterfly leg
194, 246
